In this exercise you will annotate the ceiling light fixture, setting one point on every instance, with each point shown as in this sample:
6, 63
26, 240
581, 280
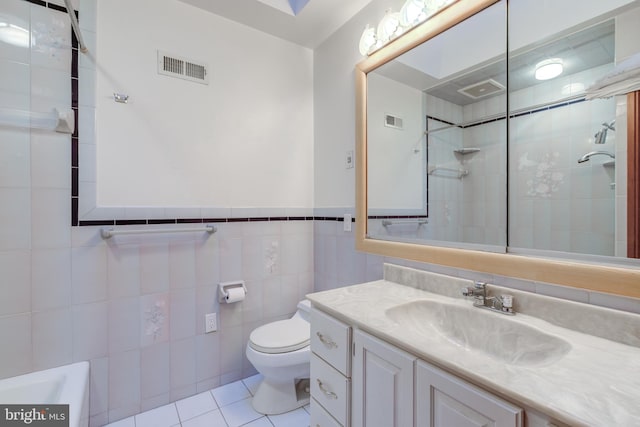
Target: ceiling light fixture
549, 69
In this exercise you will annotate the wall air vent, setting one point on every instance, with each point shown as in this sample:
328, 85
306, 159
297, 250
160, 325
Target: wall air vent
182, 68
393, 122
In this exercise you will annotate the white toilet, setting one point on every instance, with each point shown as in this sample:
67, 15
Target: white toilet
280, 352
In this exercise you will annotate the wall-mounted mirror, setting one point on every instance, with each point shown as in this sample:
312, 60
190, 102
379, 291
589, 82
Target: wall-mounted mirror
567, 191
436, 133
447, 167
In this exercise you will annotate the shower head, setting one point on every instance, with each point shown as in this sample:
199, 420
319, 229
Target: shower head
587, 156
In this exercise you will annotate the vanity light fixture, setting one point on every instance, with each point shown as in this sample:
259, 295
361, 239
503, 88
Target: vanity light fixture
549, 69
413, 12
393, 24
389, 27
367, 41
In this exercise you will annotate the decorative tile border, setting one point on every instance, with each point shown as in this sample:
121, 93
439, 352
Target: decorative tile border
551, 106
93, 223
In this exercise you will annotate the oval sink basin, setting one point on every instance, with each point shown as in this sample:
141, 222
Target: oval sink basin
475, 329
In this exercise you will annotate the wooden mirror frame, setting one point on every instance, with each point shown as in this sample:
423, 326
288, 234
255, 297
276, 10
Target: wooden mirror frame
608, 279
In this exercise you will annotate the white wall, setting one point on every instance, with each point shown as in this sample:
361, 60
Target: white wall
334, 108
244, 140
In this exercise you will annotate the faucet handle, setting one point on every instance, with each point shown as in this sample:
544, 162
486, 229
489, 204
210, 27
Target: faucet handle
477, 290
507, 303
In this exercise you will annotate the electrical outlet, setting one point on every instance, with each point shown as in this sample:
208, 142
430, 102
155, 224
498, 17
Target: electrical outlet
210, 323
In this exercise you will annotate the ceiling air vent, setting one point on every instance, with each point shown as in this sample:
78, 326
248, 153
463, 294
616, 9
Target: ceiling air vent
482, 89
182, 68
393, 121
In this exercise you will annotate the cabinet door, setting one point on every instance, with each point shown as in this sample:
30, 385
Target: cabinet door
443, 400
382, 384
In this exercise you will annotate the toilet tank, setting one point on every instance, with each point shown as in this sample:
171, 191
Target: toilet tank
304, 309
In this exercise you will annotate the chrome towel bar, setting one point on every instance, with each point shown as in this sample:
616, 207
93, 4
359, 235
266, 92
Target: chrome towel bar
107, 233
419, 222
448, 172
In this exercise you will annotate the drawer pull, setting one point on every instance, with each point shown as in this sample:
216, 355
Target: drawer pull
329, 394
326, 341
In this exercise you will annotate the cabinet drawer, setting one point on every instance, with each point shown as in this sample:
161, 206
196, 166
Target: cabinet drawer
330, 389
331, 340
320, 417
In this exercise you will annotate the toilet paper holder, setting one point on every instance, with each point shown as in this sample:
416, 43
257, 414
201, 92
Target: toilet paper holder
224, 287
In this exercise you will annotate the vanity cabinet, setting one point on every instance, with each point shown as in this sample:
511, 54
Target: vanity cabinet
382, 383
330, 380
443, 400
360, 380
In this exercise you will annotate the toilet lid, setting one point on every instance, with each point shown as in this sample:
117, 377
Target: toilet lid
282, 336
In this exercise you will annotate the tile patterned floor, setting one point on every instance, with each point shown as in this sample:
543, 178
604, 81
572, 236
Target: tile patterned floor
225, 406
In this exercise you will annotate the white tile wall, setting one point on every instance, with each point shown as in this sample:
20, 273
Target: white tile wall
124, 325
15, 218
155, 363
17, 348
90, 330
50, 279
52, 342
560, 204
16, 269
50, 39
50, 160
50, 207
124, 382
15, 157
88, 274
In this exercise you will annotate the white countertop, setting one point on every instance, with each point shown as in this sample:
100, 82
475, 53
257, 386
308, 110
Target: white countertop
597, 383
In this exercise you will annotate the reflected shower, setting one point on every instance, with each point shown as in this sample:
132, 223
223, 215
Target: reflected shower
601, 135
587, 156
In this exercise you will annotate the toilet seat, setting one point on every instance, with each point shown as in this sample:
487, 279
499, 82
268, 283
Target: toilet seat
282, 336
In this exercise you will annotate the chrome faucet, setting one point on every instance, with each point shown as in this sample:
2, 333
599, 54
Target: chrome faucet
502, 303
478, 292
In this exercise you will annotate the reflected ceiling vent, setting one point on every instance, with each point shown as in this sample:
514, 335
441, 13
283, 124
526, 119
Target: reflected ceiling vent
393, 122
182, 68
482, 89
